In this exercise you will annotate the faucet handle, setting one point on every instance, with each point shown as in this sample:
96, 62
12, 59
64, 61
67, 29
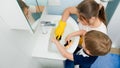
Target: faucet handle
47, 23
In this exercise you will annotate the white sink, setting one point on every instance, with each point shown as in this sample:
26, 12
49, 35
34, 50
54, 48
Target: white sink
44, 48
70, 27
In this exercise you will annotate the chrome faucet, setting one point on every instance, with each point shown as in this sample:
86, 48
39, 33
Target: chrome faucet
47, 23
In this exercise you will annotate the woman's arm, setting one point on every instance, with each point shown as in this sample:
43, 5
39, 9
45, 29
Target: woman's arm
62, 50
62, 23
39, 8
67, 12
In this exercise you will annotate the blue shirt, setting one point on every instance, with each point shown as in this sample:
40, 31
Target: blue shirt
84, 60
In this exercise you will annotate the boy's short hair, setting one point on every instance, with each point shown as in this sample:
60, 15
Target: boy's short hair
97, 43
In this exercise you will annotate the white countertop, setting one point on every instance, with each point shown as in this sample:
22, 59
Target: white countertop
42, 42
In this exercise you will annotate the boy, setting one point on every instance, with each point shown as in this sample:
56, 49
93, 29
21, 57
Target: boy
95, 43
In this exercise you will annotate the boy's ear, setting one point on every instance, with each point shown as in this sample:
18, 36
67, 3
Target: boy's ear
87, 51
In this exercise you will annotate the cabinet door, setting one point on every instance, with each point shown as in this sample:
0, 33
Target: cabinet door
13, 16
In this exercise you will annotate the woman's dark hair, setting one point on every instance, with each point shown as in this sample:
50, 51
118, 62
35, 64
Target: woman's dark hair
90, 8
22, 4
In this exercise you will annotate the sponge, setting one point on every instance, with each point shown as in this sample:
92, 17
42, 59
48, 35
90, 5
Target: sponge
67, 45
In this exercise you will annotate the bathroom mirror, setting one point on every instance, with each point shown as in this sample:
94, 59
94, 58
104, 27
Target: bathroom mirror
32, 10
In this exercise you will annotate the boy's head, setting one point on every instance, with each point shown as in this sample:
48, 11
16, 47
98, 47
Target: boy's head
96, 43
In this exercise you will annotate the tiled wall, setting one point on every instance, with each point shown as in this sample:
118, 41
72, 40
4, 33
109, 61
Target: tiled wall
110, 9
33, 2
60, 8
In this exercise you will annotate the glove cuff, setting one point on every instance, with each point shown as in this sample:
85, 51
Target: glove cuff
62, 23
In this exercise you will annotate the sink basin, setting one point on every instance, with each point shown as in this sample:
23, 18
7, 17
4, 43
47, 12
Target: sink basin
70, 27
44, 48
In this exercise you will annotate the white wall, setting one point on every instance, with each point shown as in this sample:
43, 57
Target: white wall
13, 15
16, 48
114, 28
16, 45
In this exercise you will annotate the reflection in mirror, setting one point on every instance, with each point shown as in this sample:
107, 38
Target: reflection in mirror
31, 12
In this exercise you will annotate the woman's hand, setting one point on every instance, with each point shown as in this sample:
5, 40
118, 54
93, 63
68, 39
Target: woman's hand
60, 29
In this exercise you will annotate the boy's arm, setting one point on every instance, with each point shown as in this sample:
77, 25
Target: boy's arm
62, 50
77, 33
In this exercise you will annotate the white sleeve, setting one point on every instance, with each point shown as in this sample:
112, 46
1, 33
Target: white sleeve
32, 9
98, 1
101, 28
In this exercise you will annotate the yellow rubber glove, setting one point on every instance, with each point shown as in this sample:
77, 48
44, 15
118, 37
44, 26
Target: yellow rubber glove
81, 40
60, 29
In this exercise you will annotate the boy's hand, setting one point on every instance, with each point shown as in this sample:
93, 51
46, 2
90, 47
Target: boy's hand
68, 38
60, 29
54, 40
